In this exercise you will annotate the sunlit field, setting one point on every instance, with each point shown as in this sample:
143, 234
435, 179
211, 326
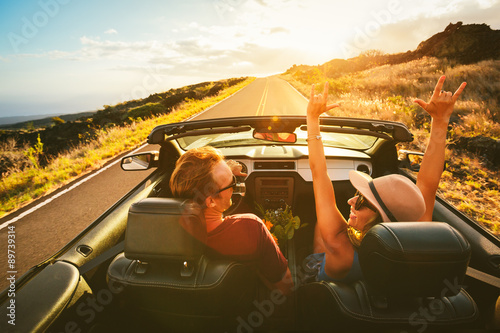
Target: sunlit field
387, 92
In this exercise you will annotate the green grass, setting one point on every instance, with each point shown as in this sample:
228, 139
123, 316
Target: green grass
20, 188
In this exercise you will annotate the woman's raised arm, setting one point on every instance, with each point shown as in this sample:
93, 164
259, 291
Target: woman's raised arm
440, 107
329, 219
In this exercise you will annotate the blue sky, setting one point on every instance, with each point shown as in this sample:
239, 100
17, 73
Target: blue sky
66, 56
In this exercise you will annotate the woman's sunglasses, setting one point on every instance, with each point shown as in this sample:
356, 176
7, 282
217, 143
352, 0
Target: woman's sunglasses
362, 202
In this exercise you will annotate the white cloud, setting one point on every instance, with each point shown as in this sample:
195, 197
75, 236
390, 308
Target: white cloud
56, 54
242, 37
415, 23
271, 36
94, 49
486, 3
277, 30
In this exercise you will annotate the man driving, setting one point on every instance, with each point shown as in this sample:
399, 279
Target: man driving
203, 174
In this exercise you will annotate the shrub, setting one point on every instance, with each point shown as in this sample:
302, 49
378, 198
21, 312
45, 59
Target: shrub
12, 158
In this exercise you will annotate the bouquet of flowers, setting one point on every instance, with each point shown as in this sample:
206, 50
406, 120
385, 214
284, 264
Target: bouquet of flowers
280, 222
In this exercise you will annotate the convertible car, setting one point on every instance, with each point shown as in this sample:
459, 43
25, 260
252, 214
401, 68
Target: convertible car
142, 266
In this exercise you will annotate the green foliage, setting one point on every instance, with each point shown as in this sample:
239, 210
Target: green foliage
34, 153
57, 120
145, 111
310, 75
29, 126
341, 85
409, 114
280, 222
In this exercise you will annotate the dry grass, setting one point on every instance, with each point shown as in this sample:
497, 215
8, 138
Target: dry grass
467, 183
387, 92
473, 189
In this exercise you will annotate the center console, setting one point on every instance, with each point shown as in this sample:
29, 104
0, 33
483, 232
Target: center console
274, 192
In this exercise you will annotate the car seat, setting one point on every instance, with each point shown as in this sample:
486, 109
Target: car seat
169, 279
412, 279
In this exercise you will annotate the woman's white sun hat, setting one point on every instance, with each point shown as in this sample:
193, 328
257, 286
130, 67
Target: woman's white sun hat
396, 197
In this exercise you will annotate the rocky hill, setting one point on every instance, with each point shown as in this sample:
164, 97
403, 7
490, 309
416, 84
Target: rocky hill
464, 43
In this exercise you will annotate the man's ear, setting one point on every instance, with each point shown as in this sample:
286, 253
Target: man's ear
210, 202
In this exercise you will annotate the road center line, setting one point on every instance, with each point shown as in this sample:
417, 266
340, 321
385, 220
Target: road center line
40, 205
263, 100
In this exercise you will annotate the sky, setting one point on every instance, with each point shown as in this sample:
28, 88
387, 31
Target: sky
68, 56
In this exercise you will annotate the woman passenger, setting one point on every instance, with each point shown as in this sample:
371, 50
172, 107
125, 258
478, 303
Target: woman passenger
391, 198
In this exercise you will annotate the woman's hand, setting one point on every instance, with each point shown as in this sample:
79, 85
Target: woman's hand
440, 107
317, 103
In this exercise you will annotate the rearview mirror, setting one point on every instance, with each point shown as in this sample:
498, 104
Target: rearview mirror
275, 137
410, 159
140, 161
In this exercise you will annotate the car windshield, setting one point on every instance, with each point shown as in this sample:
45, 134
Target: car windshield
245, 138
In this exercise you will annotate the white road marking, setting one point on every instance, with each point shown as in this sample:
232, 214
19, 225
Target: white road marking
40, 205
297, 91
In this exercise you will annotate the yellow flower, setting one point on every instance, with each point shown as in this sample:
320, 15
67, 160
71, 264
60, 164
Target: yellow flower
268, 224
275, 239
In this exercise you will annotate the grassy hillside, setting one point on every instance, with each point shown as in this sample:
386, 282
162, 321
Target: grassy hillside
471, 180
34, 168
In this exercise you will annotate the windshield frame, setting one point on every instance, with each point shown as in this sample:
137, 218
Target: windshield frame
222, 130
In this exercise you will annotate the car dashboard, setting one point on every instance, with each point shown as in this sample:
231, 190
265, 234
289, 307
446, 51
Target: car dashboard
280, 175
272, 181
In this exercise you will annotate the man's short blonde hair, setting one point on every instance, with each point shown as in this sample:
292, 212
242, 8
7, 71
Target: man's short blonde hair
193, 176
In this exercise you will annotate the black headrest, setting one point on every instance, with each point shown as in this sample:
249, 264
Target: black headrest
165, 228
414, 259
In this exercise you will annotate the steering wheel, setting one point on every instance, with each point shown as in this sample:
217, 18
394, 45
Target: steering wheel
236, 200
238, 195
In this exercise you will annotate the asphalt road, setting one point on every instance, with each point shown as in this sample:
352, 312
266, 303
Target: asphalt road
265, 96
46, 225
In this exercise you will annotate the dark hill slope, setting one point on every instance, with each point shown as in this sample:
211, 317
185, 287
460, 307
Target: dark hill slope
464, 43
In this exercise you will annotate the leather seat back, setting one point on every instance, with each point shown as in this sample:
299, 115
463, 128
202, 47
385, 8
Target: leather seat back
167, 276
410, 269
165, 229
414, 259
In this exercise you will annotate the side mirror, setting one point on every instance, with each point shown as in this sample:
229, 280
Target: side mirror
140, 161
410, 159
275, 137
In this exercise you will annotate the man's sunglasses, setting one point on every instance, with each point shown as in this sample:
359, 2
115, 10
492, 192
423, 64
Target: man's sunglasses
362, 202
233, 185
238, 188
